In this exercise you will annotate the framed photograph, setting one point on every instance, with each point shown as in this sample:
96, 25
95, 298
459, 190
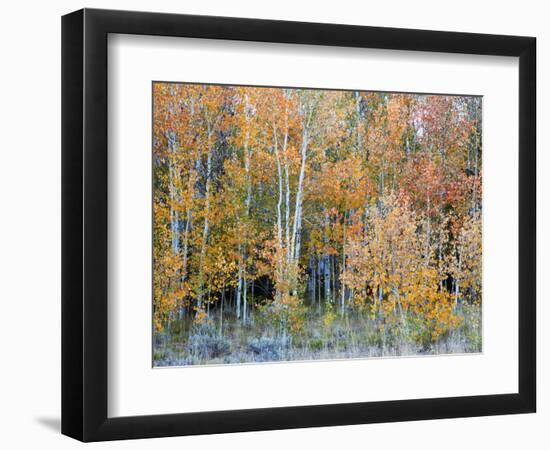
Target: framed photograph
273, 224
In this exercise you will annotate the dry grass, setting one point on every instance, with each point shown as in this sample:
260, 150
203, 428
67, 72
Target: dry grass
349, 336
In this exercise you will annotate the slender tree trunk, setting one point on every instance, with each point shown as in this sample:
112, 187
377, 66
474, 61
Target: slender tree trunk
457, 282
342, 283
428, 233
239, 291
280, 262
208, 301
221, 310
381, 179
440, 259
327, 278
252, 291
311, 279
319, 284
399, 306
280, 183
206, 214
174, 216
358, 118
375, 295
332, 260
247, 205
326, 263
295, 253
191, 187
245, 290
186, 244
287, 200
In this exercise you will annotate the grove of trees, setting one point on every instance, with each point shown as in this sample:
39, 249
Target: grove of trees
313, 218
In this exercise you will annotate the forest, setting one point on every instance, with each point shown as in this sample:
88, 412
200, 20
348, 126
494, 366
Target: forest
306, 224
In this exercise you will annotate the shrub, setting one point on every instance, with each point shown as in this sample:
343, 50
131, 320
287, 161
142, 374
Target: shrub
316, 344
205, 343
267, 348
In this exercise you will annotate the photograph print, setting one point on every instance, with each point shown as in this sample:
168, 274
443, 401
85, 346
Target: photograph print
294, 224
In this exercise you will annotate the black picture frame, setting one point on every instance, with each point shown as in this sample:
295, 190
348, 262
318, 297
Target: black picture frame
84, 224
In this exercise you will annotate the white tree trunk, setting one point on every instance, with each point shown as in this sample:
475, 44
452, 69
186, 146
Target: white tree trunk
245, 289
191, 186
279, 204
287, 198
296, 229
206, 214
457, 282
239, 291
342, 285
247, 204
174, 216
326, 263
